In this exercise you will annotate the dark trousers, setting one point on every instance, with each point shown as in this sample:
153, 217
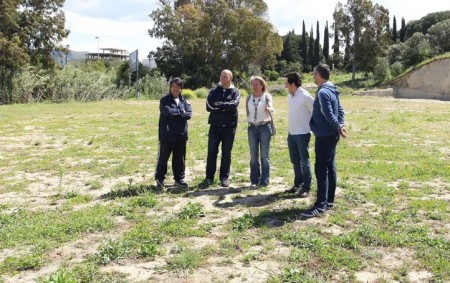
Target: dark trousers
217, 135
325, 170
178, 148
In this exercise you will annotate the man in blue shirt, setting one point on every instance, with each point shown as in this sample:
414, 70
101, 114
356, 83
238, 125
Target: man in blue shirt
327, 124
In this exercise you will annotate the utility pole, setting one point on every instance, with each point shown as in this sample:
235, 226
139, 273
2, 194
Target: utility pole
98, 47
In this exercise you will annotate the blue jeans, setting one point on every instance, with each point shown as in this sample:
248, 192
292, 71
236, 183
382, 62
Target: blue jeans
217, 135
325, 169
259, 139
298, 152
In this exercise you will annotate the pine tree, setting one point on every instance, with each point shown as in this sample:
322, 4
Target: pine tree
394, 31
326, 45
311, 50
403, 31
317, 46
303, 47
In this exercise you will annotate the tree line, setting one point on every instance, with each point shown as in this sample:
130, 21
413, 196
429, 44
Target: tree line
202, 37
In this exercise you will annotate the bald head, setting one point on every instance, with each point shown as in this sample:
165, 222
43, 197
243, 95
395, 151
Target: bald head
226, 76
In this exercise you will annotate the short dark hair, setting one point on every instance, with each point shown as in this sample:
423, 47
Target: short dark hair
323, 70
177, 81
294, 78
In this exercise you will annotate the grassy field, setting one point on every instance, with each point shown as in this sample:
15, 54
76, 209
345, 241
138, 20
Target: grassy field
77, 200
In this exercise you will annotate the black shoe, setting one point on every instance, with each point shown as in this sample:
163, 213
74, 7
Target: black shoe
292, 190
312, 212
254, 186
181, 184
303, 193
205, 184
160, 184
330, 205
224, 182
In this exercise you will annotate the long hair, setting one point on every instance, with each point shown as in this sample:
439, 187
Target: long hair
261, 80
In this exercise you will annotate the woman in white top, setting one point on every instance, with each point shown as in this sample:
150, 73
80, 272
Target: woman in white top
259, 107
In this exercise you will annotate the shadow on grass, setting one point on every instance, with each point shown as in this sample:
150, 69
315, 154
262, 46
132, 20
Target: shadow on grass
278, 218
130, 191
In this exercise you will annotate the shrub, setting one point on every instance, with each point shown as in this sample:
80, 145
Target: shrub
188, 93
397, 68
201, 92
153, 86
382, 71
278, 90
244, 92
271, 75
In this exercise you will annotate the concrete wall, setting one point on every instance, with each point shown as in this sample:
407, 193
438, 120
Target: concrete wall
431, 81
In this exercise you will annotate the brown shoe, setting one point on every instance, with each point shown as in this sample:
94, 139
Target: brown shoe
303, 194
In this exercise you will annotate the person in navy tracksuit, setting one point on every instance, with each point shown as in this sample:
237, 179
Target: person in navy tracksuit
222, 104
175, 110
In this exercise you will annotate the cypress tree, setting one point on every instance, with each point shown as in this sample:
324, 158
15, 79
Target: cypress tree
317, 46
303, 47
326, 45
403, 31
311, 50
394, 31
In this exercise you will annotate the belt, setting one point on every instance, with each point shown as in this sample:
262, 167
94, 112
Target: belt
263, 123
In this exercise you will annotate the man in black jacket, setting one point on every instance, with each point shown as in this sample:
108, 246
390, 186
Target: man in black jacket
173, 134
222, 104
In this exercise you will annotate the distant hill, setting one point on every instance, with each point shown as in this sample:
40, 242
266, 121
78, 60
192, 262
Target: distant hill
76, 55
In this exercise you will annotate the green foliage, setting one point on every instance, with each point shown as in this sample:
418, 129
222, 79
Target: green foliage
271, 75
244, 92
201, 92
425, 23
188, 93
439, 36
396, 69
29, 32
197, 53
61, 276
112, 251
364, 29
21, 263
153, 86
295, 275
243, 223
186, 260
25, 228
381, 70
85, 272
192, 211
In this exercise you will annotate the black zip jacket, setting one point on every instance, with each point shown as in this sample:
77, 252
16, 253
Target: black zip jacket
223, 106
173, 118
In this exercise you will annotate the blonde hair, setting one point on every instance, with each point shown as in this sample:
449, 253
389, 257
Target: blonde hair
261, 80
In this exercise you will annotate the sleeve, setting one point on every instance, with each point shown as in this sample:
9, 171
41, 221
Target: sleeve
233, 104
269, 101
187, 110
167, 109
327, 109
210, 107
309, 102
340, 114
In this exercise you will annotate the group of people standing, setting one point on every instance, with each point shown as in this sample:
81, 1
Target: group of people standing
323, 115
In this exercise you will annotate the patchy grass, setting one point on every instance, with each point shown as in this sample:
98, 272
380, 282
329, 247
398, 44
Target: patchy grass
79, 204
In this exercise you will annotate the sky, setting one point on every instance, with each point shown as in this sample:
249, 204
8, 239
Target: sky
125, 24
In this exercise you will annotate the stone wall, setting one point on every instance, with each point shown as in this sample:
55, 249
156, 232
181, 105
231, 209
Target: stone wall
430, 81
